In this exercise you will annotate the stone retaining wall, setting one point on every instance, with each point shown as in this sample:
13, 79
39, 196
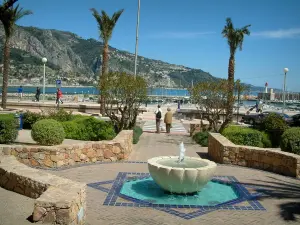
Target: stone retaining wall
58, 200
64, 155
221, 150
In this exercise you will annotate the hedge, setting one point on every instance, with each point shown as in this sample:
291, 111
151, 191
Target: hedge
8, 128
246, 136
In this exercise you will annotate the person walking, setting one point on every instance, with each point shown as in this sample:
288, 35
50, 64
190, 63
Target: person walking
59, 96
168, 120
20, 93
37, 94
158, 113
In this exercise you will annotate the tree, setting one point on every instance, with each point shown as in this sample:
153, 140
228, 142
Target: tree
212, 97
9, 18
106, 26
235, 39
124, 94
7, 4
240, 88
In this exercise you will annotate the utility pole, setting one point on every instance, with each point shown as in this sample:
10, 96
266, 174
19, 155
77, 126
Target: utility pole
137, 37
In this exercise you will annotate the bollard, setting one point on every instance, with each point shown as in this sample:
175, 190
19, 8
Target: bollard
19, 118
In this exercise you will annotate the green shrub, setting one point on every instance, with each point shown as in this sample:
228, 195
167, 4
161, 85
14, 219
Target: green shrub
290, 140
8, 128
48, 132
30, 118
266, 140
137, 132
88, 129
75, 131
98, 130
274, 125
244, 136
59, 115
201, 138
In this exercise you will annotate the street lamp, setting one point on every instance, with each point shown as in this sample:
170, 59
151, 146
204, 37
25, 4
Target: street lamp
44, 60
285, 70
137, 37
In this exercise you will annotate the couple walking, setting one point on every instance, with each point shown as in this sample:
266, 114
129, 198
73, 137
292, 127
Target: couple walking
167, 119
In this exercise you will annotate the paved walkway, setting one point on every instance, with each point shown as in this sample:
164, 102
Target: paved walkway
282, 193
281, 199
177, 128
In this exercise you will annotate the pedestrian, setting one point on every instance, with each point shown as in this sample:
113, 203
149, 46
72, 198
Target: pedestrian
37, 94
59, 96
158, 113
168, 120
20, 93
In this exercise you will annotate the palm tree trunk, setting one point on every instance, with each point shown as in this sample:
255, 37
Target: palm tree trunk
230, 97
103, 77
6, 55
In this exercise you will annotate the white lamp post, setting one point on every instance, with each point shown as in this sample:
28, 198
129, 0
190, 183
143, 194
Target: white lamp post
137, 37
285, 70
44, 60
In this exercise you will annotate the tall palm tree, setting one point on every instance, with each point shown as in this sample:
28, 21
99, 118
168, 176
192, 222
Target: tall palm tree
6, 5
235, 38
9, 18
106, 26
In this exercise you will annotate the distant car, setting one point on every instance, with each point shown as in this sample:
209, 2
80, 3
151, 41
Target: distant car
296, 120
253, 119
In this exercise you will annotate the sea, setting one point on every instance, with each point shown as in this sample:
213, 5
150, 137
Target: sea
72, 90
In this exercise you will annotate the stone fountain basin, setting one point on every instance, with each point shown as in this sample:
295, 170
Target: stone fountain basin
189, 176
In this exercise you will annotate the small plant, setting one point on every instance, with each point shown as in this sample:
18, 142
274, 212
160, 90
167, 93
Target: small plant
88, 129
290, 140
137, 132
48, 132
59, 115
246, 136
274, 125
201, 138
8, 129
266, 140
29, 118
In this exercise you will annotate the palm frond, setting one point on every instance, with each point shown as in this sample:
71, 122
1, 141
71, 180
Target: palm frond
11, 16
105, 23
235, 36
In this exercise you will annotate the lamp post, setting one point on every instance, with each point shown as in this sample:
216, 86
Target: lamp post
137, 37
285, 70
44, 60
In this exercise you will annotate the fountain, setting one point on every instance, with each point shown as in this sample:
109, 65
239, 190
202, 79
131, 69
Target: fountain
179, 181
181, 175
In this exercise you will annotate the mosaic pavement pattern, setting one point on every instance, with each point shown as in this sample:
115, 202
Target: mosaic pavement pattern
177, 128
248, 197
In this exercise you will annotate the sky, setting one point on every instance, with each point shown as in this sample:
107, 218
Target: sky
189, 33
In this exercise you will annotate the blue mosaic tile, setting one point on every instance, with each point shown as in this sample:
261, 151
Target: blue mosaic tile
114, 194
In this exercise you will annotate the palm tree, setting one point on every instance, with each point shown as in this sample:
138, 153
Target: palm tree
9, 18
235, 38
6, 5
106, 26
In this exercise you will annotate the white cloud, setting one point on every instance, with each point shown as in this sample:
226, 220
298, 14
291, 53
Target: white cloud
180, 35
281, 33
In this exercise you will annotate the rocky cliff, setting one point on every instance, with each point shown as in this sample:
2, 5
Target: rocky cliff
77, 60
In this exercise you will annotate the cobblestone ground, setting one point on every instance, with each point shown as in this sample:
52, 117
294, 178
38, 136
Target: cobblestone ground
282, 194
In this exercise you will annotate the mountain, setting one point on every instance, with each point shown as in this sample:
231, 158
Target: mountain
77, 61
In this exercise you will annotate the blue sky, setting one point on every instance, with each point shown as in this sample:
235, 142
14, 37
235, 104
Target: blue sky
189, 32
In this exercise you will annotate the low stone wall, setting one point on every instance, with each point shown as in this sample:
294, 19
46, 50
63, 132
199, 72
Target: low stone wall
58, 200
221, 150
67, 155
